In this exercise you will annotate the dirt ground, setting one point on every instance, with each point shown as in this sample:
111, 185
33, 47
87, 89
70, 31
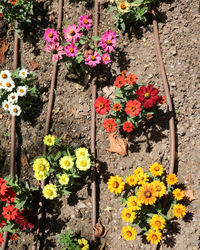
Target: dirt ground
179, 36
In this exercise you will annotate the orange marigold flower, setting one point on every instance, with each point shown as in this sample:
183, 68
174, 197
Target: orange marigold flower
147, 194
13, 2
154, 236
171, 179
138, 170
161, 99
179, 210
116, 184
143, 178
117, 107
128, 215
157, 222
128, 233
134, 203
101, 105
120, 81
160, 188
178, 194
131, 79
133, 108
128, 126
109, 125
131, 180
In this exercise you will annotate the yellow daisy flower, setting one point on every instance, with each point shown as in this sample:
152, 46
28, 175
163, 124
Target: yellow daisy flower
178, 194
40, 176
41, 165
160, 188
154, 236
83, 163
171, 179
123, 6
157, 222
116, 184
81, 152
66, 162
83, 244
49, 140
50, 191
134, 203
147, 194
63, 179
179, 210
156, 169
131, 180
138, 170
128, 233
128, 215
143, 178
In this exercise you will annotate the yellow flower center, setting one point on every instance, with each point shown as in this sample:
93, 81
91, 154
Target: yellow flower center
93, 58
123, 6
85, 21
49, 140
4, 76
154, 237
101, 105
21, 91
8, 84
67, 163
147, 194
109, 42
109, 125
128, 233
72, 32
158, 223
157, 168
83, 163
23, 73
132, 108
50, 35
71, 50
146, 95
1, 84
41, 167
115, 184
158, 188
133, 203
13, 97
49, 192
105, 58
128, 215
6, 105
15, 110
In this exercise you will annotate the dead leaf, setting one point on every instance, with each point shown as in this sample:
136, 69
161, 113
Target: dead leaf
4, 45
1, 116
80, 110
99, 230
117, 145
189, 195
34, 65
52, 19
24, 160
109, 91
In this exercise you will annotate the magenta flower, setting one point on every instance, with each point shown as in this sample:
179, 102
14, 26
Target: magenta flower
56, 49
71, 50
72, 33
108, 41
51, 35
93, 60
106, 58
85, 22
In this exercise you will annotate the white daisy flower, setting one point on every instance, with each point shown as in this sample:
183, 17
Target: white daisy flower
9, 85
23, 73
15, 110
2, 84
13, 98
21, 91
5, 105
5, 74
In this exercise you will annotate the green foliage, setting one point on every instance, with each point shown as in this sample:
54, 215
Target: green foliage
68, 241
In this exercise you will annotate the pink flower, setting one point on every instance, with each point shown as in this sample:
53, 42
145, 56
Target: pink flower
93, 60
51, 35
71, 50
105, 58
72, 33
85, 22
56, 49
108, 41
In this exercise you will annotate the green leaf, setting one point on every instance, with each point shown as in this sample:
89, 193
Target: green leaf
96, 38
58, 155
66, 192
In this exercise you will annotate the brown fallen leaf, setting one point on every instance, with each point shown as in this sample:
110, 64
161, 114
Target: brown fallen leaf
102, 246
4, 45
99, 230
189, 195
117, 145
34, 65
1, 116
24, 160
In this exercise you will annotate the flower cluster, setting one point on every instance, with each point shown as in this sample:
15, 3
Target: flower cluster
15, 91
79, 48
60, 162
142, 200
14, 215
132, 104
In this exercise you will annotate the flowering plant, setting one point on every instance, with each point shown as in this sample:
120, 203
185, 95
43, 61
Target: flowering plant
62, 165
16, 207
132, 104
142, 201
130, 11
78, 49
16, 93
17, 10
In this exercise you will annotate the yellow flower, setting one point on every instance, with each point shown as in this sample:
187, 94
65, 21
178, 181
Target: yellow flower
156, 169
154, 236
40, 176
50, 191
66, 162
160, 188
138, 171
83, 163
132, 180
128, 233
116, 184
143, 178
123, 6
81, 152
157, 222
63, 179
171, 179
134, 203
147, 194
49, 140
41, 165
83, 244
179, 210
178, 194
128, 215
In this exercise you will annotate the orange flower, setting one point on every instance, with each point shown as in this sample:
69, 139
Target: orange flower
149, 116
171, 179
147, 194
13, 237
123, 72
161, 99
128, 127
13, 2
117, 107
109, 125
120, 81
133, 108
131, 79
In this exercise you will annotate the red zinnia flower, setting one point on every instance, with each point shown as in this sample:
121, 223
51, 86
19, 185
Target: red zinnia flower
110, 125
2, 224
3, 186
123, 72
13, 1
13, 237
161, 99
9, 195
133, 108
1, 15
117, 107
102, 105
1, 239
10, 212
147, 96
128, 126
131, 79
26, 219
120, 81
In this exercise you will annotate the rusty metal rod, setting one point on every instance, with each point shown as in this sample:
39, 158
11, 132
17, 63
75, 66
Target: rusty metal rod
169, 102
